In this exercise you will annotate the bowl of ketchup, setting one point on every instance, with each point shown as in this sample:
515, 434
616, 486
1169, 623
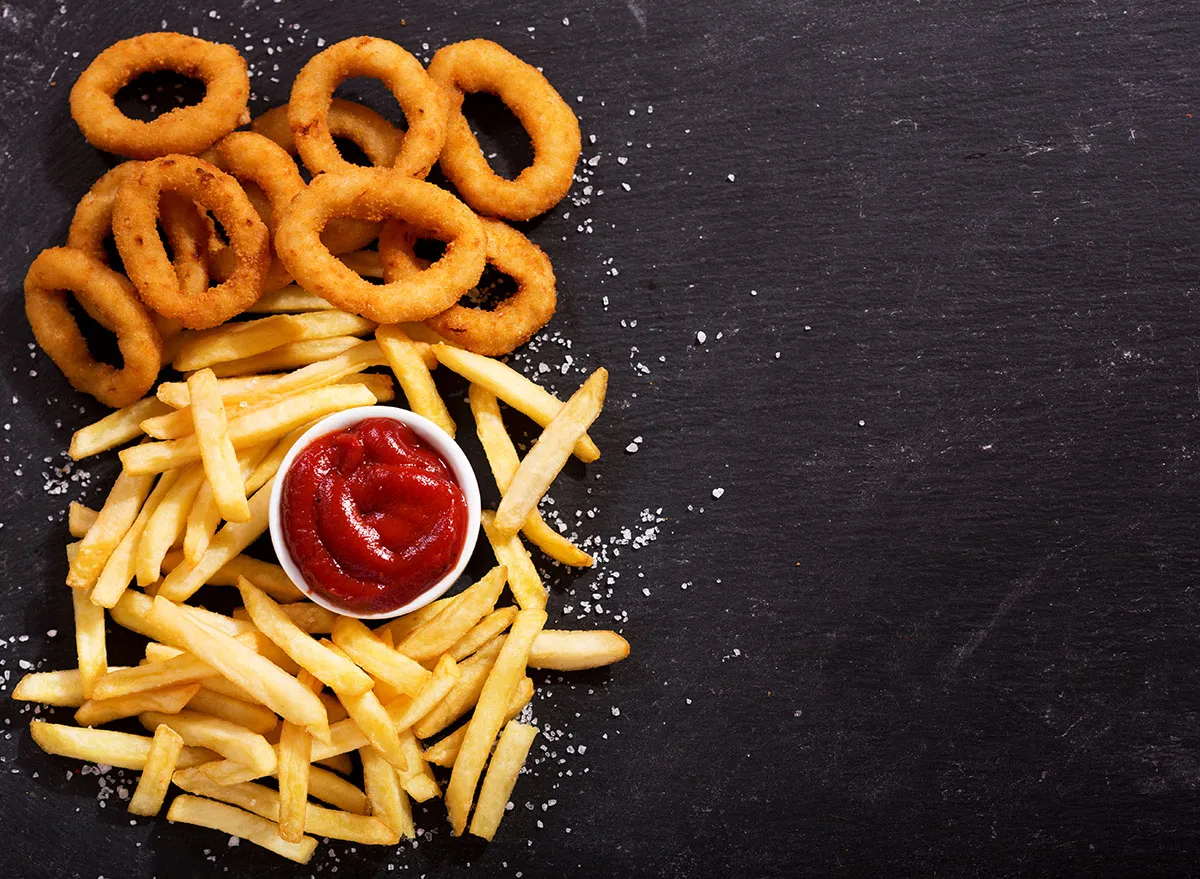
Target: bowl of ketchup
375, 512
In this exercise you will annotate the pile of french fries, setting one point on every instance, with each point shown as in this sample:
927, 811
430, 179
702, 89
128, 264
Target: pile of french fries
255, 715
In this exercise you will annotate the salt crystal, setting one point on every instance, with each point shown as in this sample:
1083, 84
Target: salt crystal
717, 492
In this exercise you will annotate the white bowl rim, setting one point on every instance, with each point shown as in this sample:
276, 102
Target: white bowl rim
441, 442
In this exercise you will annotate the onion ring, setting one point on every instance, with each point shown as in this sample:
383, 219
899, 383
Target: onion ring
182, 130
484, 66
510, 324
380, 194
422, 100
134, 217
111, 300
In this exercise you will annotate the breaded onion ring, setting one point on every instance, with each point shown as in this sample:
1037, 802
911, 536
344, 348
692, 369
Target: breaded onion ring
423, 103
381, 194
112, 302
134, 217
513, 321
484, 66
182, 130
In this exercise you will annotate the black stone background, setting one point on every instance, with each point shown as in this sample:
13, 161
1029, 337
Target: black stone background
942, 620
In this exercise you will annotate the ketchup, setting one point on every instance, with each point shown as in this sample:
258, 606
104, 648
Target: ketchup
372, 516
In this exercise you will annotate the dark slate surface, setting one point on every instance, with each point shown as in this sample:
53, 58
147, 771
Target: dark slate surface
941, 621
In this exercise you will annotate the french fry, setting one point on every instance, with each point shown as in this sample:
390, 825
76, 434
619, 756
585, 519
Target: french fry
116, 516
376, 658
221, 623
90, 645
310, 617
289, 356
335, 790
405, 711
523, 577
413, 376
268, 577
565, 650
170, 700
503, 460
468, 608
151, 788
444, 751
119, 570
183, 581
183, 669
289, 300
485, 723
175, 394
502, 772
255, 718
228, 739
329, 666
513, 388
269, 466
388, 802
114, 429
80, 518
295, 759
237, 341
216, 448
251, 429
418, 782
338, 763
274, 688
487, 629
205, 515
344, 737
60, 688
166, 524
373, 721
123, 750
236, 822
462, 697
548, 455
400, 627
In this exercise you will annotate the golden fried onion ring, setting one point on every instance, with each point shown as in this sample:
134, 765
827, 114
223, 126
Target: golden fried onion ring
182, 130
484, 66
111, 300
513, 321
134, 227
422, 101
381, 194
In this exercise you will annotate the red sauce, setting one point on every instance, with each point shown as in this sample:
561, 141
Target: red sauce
372, 516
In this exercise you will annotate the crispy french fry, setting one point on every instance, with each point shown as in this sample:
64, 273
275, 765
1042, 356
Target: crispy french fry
329, 666
542, 465
418, 782
344, 737
565, 650
413, 376
338, 763
216, 448
400, 627
90, 645
170, 700
289, 300
80, 518
256, 718
237, 341
251, 429
236, 822
116, 516
166, 524
289, 356
310, 617
271, 686
376, 658
123, 750
270, 578
523, 577
388, 801
487, 629
485, 723
462, 697
62, 688
405, 711
503, 769
469, 607
175, 394
335, 790
373, 721
184, 669
119, 570
513, 388
151, 788
269, 466
205, 515
444, 751
114, 429
227, 739
295, 760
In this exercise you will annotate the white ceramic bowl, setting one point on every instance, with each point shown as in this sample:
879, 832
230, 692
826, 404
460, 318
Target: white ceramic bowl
440, 441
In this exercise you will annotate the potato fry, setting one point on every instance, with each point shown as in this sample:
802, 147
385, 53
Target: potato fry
268, 577
154, 675
175, 394
335, 790
310, 617
237, 341
405, 711
513, 388
271, 686
502, 772
251, 429
295, 760
90, 645
61, 688
469, 607
413, 376
236, 822
376, 658
444, 751
289, 300
418, 782
523, 578
123, 750
503, 460
116, 516
374, 722
400, 627
550, 453
487, 629
566, 650
331, 667
183, 581
119, 570
166, 524
461, 698
151, 788
227, 739
114, 429
216, 448
485, 723
170, 700
289, 356
388, 802
80, 518
256, 718
338, 763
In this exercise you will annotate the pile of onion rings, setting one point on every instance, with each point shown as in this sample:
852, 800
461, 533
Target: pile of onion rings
241, 219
